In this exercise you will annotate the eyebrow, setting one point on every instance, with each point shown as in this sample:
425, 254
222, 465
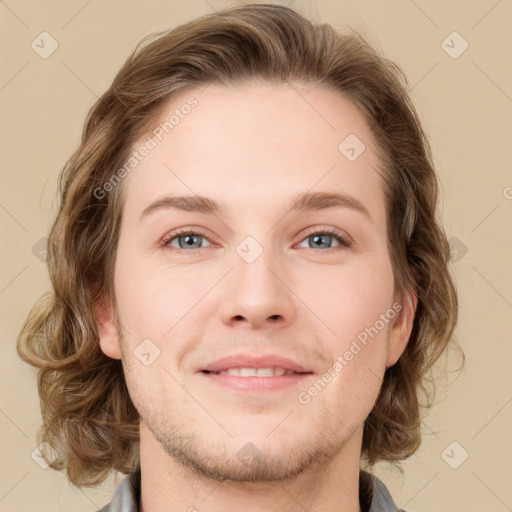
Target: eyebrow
304, 202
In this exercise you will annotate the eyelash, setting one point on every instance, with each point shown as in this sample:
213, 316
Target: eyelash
343, 241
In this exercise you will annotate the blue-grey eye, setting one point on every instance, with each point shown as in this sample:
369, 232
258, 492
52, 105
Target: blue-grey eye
323, 240
190, 241
186, 241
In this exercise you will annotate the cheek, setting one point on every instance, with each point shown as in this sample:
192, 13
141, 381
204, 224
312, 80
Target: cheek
352, 298
152, 299
356, 303
357, 306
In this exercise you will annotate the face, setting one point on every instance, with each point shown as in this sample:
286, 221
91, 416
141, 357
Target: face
290, 270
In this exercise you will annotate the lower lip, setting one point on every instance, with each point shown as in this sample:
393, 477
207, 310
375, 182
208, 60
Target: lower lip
256, 383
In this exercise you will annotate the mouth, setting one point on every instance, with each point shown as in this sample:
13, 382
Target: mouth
255, 379
255, 372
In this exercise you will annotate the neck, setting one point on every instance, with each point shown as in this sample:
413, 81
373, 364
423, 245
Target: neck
166, 484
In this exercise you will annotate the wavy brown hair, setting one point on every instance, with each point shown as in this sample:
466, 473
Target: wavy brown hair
88, 416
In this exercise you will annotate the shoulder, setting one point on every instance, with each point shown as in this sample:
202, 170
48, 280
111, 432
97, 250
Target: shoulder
376, 495
126, 495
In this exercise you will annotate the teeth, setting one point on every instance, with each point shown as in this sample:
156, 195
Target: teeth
256, 372
267, 372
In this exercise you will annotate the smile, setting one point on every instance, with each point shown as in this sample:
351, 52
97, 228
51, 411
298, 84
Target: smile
255, 372
256, 379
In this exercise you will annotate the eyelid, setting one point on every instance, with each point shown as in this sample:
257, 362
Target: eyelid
176, 233
344, 240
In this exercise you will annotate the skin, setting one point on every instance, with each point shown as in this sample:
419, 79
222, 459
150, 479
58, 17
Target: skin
253, 149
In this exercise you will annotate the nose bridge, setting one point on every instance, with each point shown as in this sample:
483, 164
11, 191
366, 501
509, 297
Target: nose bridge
256, 286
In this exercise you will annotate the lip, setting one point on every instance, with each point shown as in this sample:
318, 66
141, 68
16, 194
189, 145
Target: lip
248, 361
256, 384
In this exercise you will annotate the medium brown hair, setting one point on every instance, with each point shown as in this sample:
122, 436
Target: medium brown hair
88, 416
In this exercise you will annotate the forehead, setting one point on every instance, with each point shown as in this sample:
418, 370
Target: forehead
257, 145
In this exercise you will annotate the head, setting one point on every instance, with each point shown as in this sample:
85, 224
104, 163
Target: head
253, 108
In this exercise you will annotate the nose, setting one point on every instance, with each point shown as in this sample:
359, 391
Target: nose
256, 294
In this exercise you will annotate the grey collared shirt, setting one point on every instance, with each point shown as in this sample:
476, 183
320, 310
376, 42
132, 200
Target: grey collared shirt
373, 495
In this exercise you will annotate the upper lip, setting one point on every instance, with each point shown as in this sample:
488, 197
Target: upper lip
248, 361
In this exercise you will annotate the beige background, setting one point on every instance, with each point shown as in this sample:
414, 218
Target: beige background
466, 106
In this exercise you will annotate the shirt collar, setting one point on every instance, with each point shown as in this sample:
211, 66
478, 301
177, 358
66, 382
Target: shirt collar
373, 494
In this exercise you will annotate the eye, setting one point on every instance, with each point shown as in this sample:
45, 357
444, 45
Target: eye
322, 237
188, 241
